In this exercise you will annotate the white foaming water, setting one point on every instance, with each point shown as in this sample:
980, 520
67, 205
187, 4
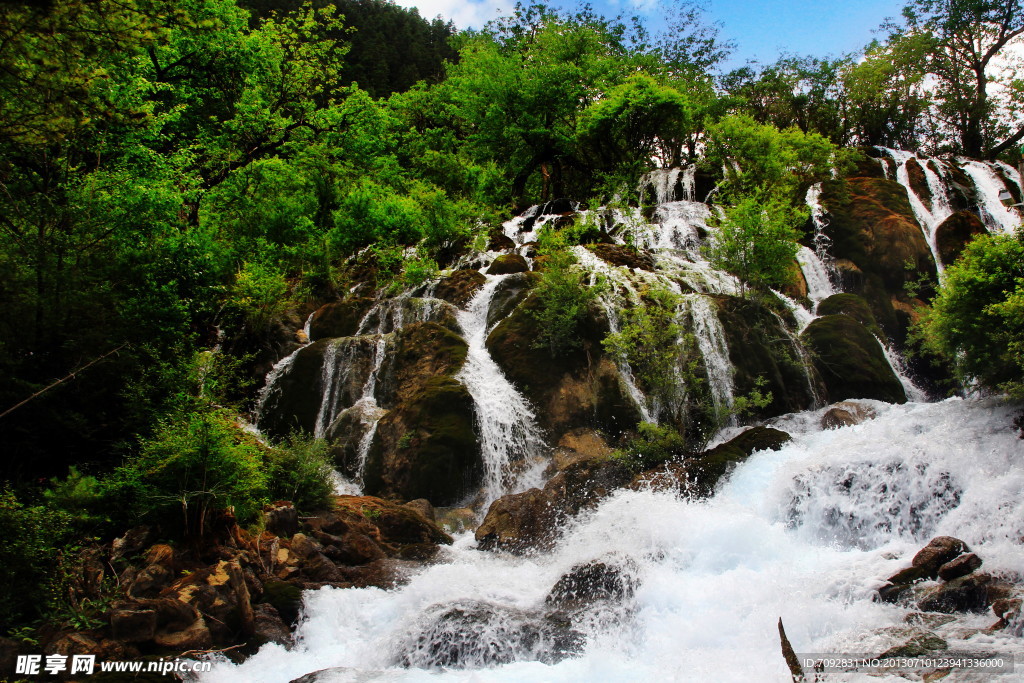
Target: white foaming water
707, 329
505, 422
816, 274
899, 368
996, 217
806, 533
929, 217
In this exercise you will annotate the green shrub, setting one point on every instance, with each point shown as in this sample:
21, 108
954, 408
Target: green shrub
562, 296
977, 319
193, 467
30, 552
653, 446
648, 340
259, 295
300, 470
79, 496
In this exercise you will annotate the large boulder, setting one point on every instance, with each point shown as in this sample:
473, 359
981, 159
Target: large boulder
507, 264
698, 476
618, 255
338, 319
955, 232
425, 447
459, 287
876, 237
526, 522
851, 361
853, 306
760, 350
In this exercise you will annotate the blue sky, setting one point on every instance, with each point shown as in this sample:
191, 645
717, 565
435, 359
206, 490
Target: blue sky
761, 28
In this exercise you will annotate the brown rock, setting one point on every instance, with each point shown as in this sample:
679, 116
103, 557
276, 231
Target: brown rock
221, 594
961, 566
131, 543
909, 575
422, 506
459, 287
619, 255
971, 593
281, 518
938, 552
133, 626
834, 418
269, 627
161, 553
195, 637
955, 232
150, 580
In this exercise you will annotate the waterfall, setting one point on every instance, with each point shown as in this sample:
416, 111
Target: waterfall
805, 533
996, 217
504, 418
899, 368
819, 284
707, 328
280, 368
928, 217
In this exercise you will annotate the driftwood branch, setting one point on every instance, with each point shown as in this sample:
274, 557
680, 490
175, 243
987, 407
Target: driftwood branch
67, 377
792, 661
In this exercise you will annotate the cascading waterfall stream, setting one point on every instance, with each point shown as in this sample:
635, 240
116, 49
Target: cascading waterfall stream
504, 418
996, 217
929, 217
806, 533
707, 329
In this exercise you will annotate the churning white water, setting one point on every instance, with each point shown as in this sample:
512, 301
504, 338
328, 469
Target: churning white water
807, 533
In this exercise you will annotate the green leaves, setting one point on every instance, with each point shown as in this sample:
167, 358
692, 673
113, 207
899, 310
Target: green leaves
562, 296
977, 319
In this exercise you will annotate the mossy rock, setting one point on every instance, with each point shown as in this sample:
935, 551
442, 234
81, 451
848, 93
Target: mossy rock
568, 390
509, 293
853, 306
760, 347
425, 447
339, 319
285, 597
707, 469
874, 231
955, 232
507, 264
459, 287
851, 361
871, 163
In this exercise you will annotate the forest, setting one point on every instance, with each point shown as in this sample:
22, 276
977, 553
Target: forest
182, 184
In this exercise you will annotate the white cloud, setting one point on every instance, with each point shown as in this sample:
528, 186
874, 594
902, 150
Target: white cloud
465, 13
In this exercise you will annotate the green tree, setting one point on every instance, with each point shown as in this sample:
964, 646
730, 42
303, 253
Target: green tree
964, 39
757, 242
562, 296
977, 319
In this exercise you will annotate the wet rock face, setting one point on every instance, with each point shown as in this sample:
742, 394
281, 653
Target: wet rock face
338, 367
476, 634
698, 476
612, 580
874, 237
759, 349
425, 447
851, 361
955, 232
